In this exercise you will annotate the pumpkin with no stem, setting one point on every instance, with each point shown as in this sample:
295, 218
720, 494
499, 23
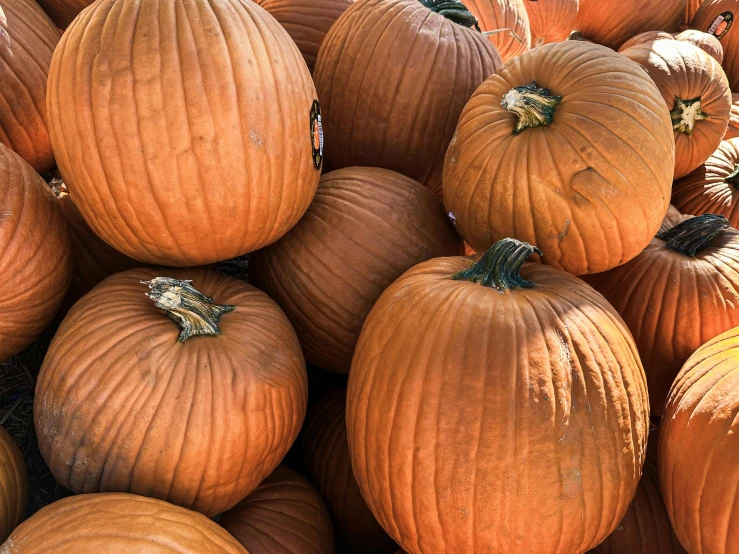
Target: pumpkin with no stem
392, 77
680, 292
114, 523
551, 20
13, 485
732, 130
200, 149
35, 254
647, 36
365, 227
494, 430
549, 151
691, 7
63, 12
611, 23
698, 449
717, 18
27, 41
704, 41
696, 92
508, 20
325, 456
191, 392
283, 515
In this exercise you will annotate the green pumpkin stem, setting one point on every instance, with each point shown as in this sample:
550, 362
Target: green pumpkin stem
685, 114
733, 178
454, 11
499, 266
533, 106
694, 234
195, 313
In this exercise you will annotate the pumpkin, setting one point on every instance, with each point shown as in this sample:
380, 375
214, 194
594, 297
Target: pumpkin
366, 226
647, 36
27, 41
201, 151
63, 12
716, 17
733, 130
116, 522
612, 23
325, 456
506, 415
548, 151
551, 20
698, 448
696, 92
508, 22
691, 7
36, 254
393, 77
677, 294
192, 393
13, 485
704, 41
306, 21
283, 515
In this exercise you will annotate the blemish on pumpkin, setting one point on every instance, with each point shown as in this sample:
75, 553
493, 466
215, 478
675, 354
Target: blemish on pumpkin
142, 354
560, 236
256, 139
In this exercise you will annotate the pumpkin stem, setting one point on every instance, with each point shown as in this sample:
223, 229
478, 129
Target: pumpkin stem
533, 106
694, 234
454, 11
195, 313
499, 266
685, 114
733, 178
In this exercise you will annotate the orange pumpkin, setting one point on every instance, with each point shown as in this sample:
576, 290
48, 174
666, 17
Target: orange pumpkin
551, 20
548, 151
525, 391
704, 41
116, 523
733, 129
647, 36
696, 92
507, 20
27, 41
716, 17
677, 294
63, 12
691, 7
393, 77
698, 449
366, 226
325, 454
163, 402
200, 151
36, 254
13, 485
283, 515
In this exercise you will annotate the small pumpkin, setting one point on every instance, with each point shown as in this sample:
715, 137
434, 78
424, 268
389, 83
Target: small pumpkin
716, 17
523, 393
190, 395
704, 41
365, 227
507, 20
548, 151
115, 522
13, 485
392, 77
677, 294
647, 36
551, 20
696, 92
36, 254
698, 448
63, 12
732, 130
283, 515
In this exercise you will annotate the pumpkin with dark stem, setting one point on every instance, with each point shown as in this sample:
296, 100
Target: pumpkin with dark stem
704, 41
551, 20
717, 18
508, 23
13, 485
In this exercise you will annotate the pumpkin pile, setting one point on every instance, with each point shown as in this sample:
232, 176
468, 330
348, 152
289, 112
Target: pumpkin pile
492, 296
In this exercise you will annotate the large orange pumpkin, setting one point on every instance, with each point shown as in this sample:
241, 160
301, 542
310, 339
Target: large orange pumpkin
677, 294
696, 92
698, 449
717, 18
548, 151
733, 130
507, 20
115, 523
365, 227
708, 43
393, 77
27, 41
647, 36
161, 402
35, 254
516, 422
184, 147
13, 485
551, 20
63, 12
325, 455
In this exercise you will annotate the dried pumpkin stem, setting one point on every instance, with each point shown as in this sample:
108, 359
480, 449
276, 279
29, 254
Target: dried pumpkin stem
694, 234
454, 11
195, 313
733, 178
499, 266
533, 106
685, 114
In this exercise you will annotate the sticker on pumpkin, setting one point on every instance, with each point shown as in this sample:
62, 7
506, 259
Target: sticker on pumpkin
721, 24
316, 134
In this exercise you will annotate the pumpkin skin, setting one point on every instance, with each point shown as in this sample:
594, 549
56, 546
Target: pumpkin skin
36, 254
493, 15
426, 456
691, 7
366, 227
706, 18
732, 130
685, 73
700, 437
325, 456
141, 412
283, 515
565, 209
27, 41
116, 522
551, 20
369, 89
170, 170
13, 485
647, 36
63, 12
704, 41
